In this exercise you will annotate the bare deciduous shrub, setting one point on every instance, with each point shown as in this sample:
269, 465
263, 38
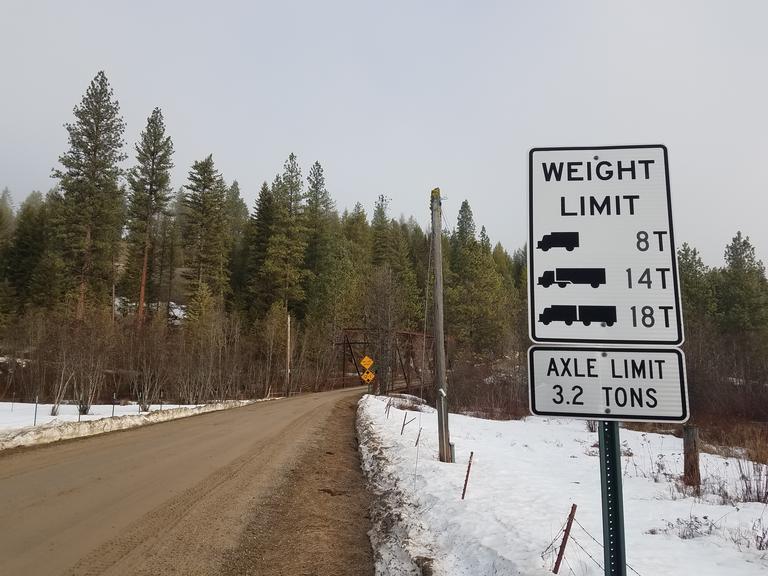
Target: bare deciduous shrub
490, 390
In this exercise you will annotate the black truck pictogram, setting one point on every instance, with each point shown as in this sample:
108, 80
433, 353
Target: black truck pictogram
584, 314
567, 240
564, 276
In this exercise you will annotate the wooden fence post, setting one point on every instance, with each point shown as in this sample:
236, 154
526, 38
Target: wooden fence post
567, 533
466, 478
691, 471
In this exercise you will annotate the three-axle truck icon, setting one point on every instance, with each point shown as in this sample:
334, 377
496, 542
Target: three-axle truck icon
564, 276
584, 314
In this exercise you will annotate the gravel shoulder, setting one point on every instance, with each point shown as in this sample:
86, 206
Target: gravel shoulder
317, 521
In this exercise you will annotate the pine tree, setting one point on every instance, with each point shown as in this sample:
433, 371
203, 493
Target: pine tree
702, 345
7, 219
466, 232
258, 284
92, 196
395, 274
202, 304
463, 240
695, 286
320, 220
402, 265
237, 224
741, 290
485, 241
357, 232
419, 248
383, 249
27, 245
287, 242
149, 194
474, 291
504, 266
291, 192
37, 246
335, 299
205, 230
170, 252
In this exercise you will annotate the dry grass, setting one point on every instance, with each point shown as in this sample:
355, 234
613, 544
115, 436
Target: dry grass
724, 437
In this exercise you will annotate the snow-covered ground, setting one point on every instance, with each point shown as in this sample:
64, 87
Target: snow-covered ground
525, 475
18, 427
19, 415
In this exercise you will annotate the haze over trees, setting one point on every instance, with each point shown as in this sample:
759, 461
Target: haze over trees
119, 280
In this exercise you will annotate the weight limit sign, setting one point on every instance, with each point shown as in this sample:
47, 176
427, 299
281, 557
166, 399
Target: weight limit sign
602, 257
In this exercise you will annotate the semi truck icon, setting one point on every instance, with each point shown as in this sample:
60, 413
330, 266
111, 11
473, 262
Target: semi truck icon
564, 276
584, 314
567, 240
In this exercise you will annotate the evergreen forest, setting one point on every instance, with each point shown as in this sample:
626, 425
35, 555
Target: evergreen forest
120, 283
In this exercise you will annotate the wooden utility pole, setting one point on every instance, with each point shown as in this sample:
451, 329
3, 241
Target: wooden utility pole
287, 385
444, 439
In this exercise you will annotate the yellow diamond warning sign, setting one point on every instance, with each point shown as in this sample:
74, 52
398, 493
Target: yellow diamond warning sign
366, 362
367, 376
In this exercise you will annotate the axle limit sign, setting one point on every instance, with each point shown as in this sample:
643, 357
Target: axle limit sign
626, 384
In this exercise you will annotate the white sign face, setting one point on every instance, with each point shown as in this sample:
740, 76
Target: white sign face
608, 383
602, 265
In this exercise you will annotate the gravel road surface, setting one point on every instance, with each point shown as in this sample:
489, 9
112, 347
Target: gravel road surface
271, 488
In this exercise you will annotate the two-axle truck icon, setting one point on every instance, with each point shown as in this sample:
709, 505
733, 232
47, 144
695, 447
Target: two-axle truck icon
567, 240
584, 314
564, 276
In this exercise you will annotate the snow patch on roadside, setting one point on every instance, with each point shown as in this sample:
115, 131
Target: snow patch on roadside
392, 515
57, 430
525, 475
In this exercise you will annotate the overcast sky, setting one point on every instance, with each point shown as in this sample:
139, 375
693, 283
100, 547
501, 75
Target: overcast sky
397, 97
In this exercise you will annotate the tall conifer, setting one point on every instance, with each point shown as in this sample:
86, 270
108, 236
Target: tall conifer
287, 242
93, 199
149, 194
205, 241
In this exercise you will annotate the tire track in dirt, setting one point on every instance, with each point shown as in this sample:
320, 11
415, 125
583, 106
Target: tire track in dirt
316, 523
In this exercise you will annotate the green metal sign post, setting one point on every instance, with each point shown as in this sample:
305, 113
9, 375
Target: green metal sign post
613, 508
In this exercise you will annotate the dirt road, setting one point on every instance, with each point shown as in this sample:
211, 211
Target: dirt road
272, 488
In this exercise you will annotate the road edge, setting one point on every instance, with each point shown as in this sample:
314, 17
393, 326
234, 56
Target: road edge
31, 436
390, 525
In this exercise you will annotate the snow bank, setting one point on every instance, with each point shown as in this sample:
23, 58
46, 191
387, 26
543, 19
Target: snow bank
52, 429
392, 515
525, 476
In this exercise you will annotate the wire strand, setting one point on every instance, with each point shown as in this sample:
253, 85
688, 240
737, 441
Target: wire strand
586, 552
562, 529
570, 568
587, 533
600, 544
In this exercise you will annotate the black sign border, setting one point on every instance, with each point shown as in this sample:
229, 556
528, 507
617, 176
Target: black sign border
531, 247
602, 416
